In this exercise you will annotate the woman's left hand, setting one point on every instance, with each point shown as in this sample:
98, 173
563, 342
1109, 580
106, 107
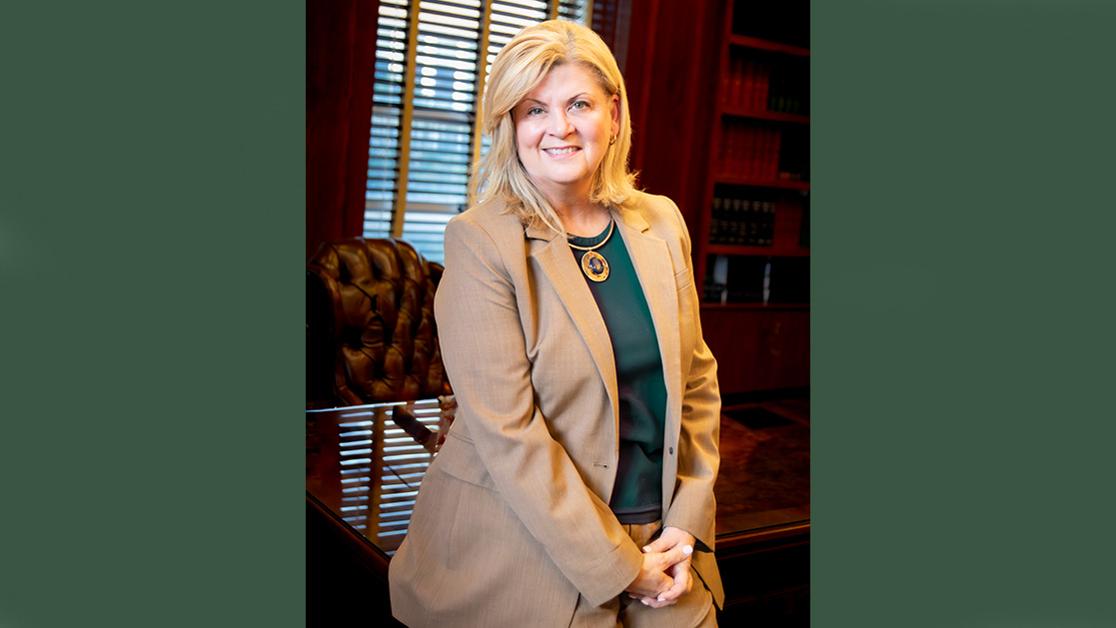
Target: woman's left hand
680, 571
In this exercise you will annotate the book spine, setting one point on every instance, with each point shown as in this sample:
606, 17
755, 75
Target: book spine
747, 86
763, 88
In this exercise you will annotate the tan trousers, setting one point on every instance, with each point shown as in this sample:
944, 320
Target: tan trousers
694, 608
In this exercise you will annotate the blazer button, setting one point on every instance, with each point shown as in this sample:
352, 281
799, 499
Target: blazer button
671, 450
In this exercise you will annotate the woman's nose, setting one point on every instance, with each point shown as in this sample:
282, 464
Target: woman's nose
560, 125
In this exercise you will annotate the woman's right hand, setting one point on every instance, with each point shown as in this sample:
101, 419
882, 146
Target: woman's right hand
652, 579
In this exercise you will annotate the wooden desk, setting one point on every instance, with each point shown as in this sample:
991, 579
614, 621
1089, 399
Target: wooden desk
363, 472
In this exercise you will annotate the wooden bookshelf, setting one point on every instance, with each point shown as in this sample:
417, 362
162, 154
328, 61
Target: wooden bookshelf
774, 116
782, 184
751, 238
759, 43
755, 306
760, 251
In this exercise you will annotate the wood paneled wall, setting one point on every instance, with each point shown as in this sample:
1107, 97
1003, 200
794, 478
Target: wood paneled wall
669, 66
340, 62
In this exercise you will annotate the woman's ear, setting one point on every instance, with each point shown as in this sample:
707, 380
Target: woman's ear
615, 107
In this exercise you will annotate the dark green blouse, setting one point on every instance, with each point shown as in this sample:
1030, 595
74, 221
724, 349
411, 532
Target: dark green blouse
637, 496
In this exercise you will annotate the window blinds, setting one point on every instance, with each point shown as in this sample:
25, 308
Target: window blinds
425, 96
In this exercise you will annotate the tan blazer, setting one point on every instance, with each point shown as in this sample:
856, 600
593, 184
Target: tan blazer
512, 519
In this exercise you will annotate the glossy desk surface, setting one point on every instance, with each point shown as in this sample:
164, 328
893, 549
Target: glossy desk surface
365, 471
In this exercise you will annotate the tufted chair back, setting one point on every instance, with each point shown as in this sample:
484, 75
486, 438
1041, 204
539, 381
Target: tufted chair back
370, 324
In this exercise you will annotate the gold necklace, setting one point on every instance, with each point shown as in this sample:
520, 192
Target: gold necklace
593, 264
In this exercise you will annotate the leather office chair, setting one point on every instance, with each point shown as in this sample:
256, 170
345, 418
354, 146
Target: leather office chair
371, 335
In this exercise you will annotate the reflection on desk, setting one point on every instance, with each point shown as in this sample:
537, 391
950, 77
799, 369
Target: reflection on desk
366, 471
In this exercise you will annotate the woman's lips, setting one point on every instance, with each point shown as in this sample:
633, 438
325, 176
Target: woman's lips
561, 153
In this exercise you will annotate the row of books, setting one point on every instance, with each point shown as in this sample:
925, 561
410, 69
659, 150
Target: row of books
750, 151
744, 279
756, 86
742, 221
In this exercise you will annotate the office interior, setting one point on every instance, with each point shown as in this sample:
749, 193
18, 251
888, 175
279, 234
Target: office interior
719, 100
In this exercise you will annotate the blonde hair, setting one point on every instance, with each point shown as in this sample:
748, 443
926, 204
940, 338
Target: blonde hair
519, 68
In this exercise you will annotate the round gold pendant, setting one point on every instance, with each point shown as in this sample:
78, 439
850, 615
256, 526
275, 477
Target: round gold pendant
595, 266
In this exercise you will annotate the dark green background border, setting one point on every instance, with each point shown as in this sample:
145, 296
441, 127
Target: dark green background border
151, 273
151, 221
963, 312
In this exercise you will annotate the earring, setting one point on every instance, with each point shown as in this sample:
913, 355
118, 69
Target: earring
612, 140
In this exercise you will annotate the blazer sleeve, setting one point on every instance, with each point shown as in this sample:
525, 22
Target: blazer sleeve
485, 355
693, 507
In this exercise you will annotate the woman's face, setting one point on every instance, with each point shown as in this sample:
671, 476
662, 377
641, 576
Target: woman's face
562, 128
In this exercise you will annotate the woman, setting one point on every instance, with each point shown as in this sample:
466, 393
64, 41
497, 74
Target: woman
576, 485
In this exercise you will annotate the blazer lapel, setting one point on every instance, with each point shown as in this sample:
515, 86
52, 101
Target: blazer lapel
560, 267
651, 259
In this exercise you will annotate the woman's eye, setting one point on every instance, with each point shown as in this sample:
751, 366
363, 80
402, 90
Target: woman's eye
581, 104
534, 111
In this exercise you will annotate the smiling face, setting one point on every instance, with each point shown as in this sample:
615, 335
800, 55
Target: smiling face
562, 129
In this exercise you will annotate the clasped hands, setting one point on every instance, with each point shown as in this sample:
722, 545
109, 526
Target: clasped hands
665, 573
